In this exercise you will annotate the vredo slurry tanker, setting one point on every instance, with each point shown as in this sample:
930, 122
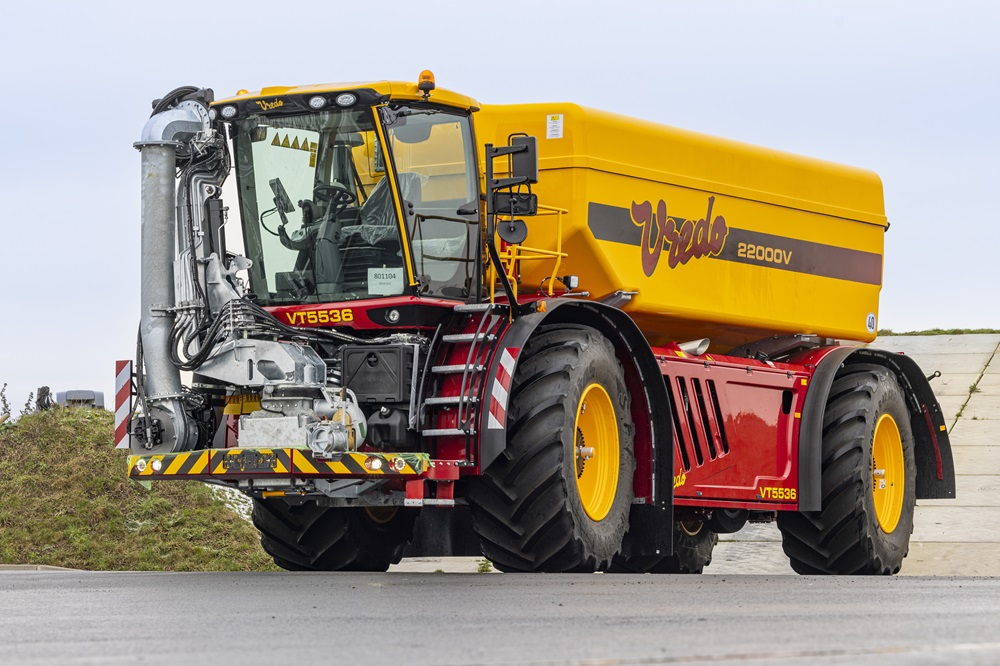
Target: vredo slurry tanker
384, 359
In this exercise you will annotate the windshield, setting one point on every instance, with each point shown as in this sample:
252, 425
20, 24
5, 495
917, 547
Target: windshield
318, 214
318, 209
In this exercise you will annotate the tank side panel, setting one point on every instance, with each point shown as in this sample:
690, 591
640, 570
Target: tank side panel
735, 428
720, 239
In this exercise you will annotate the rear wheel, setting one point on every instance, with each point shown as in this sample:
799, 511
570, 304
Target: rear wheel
308, 537
693, 546
868, 482
558, 497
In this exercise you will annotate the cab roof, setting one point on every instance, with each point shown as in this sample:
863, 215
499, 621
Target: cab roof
397, 90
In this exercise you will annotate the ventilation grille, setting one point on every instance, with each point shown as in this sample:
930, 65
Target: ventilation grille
699, 427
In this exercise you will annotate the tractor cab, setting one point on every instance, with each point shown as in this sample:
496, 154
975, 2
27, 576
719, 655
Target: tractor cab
356, 193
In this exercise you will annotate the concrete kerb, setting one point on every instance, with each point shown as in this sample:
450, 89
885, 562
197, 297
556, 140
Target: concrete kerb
33, 567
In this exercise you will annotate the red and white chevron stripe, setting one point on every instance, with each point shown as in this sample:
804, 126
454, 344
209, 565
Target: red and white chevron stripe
501, 388
123, 402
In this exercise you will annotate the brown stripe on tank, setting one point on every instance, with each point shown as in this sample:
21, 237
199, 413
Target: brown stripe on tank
615, 225
799, 256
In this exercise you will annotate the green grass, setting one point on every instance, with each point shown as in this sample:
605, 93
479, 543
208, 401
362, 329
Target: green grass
65, 501
943, 331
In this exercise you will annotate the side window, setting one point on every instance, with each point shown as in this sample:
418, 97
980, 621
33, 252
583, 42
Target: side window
435, 150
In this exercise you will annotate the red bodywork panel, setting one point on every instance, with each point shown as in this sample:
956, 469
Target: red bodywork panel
362, 315
736, 427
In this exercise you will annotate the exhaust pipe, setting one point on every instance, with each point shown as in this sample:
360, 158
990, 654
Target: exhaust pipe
166, 427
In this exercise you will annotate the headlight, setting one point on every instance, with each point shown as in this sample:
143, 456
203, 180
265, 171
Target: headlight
346, 99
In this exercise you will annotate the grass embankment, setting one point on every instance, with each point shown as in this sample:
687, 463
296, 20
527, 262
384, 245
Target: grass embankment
65, 501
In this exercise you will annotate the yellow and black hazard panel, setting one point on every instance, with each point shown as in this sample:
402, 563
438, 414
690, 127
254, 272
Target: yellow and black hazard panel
360, 464
190, 464
274, 462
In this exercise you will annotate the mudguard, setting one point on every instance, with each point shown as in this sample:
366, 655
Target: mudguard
932, 446
650, 522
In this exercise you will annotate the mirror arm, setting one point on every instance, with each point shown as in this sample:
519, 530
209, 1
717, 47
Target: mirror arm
516, 309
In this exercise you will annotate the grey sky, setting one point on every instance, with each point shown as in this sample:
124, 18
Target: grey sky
908, 89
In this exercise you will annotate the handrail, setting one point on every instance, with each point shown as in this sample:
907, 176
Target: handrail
513, 254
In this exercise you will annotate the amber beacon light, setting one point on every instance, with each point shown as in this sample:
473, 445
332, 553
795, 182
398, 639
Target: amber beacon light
426, 82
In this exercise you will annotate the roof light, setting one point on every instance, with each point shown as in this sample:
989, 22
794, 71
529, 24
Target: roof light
317, 102
346, 99
228, 112
426, 82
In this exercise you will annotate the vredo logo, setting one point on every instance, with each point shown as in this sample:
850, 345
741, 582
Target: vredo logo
680, 238
270, 106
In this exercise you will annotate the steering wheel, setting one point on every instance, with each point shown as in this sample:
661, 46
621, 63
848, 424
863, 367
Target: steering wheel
337, 195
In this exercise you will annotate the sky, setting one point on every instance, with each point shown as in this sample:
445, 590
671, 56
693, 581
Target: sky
909, 89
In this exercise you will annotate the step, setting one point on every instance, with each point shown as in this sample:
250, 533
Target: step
473, 307
468, 337
455, 369
451, 400
446, 432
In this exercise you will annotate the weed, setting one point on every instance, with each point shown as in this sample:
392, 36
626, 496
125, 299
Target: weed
485, 566
973, 388
4, 405
28, 406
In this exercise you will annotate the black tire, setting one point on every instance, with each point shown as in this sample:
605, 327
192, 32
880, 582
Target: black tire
307, 537
527, 508
845, 537
693, 546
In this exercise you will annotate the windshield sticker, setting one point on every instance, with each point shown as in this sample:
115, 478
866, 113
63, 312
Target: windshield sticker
385, 281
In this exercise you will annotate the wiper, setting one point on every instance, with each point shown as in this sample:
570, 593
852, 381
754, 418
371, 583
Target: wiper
390, 116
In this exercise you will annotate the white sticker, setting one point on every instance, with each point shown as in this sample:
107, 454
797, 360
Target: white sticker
554, 126
870, 322
385, 281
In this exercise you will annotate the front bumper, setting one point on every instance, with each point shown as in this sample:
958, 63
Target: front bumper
233, 465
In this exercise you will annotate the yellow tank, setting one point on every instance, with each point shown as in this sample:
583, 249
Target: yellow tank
720, 239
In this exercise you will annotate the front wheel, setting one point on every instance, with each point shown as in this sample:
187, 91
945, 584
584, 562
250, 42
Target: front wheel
868, 482
308, 537
558, 498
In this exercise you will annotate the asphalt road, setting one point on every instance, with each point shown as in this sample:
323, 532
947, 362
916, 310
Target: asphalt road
409, 618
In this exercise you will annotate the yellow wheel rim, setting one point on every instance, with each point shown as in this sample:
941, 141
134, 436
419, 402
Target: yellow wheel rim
380, 515
888, 475
691, 527
595, 461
